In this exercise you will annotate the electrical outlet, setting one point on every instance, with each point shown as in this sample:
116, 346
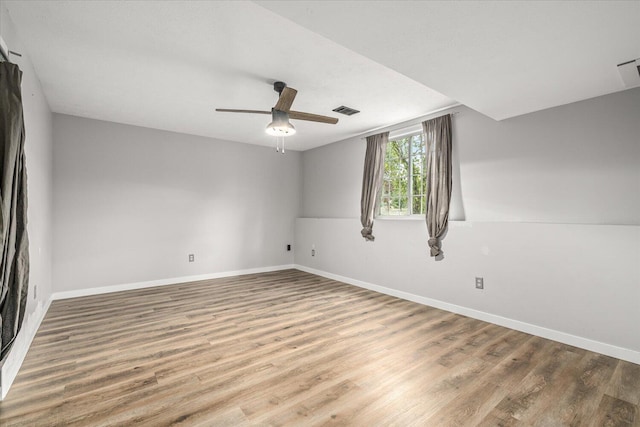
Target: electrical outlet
192, 257
288, 247
479, 283
35, 292
313, 252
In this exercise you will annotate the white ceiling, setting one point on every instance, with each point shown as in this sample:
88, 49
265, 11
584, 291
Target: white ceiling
502, 58
169, 64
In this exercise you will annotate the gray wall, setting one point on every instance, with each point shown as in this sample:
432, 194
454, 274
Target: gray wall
131, 204
574, 283
38, 148
578, 163
552, 206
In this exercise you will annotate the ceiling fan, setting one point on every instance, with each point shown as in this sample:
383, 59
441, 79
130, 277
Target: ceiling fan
281, 113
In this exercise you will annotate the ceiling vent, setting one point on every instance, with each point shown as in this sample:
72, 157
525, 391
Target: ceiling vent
630, 72
346, 110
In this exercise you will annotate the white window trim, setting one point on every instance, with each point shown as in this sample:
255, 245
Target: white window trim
399, 134
413, 217
404, 132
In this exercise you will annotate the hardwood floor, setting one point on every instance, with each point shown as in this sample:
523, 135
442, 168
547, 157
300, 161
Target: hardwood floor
291, 348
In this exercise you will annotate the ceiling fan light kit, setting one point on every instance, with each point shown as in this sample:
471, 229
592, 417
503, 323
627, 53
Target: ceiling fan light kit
280, 126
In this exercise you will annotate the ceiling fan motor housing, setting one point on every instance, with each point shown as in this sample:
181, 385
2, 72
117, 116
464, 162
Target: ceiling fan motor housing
279, 86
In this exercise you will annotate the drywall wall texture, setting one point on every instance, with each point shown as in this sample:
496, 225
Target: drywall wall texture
39, 157
576, 163
523, 182
132, 203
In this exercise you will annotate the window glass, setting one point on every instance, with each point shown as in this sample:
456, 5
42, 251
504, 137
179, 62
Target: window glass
404, 182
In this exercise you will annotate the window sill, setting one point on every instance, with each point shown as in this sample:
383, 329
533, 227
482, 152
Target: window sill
401, 218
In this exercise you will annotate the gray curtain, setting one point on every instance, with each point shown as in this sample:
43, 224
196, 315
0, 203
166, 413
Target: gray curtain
371, 181
14, 266
437, 134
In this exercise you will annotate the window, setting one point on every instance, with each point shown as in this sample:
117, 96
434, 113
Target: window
404, 182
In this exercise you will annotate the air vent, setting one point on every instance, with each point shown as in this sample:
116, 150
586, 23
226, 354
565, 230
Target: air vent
346, 110
630, 73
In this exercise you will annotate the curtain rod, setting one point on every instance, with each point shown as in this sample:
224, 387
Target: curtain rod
412, 122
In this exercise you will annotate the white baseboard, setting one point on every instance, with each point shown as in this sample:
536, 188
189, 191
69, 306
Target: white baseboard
20, 347
576, 341
164, 282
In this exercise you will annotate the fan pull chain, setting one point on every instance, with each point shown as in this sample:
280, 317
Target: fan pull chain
280, 144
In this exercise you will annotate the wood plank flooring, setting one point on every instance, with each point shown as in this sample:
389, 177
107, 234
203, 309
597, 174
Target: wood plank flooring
291, 348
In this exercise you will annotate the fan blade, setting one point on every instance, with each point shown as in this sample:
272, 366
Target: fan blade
298, 115
286, 99
226, 110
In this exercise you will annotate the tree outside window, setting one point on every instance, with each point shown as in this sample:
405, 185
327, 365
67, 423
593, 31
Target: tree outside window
404, 182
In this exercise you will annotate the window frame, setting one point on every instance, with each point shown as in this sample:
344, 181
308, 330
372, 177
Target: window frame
407, 134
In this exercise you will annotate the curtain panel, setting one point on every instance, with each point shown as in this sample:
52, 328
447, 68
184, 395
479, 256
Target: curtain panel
14, 265
371, 181
437, 134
